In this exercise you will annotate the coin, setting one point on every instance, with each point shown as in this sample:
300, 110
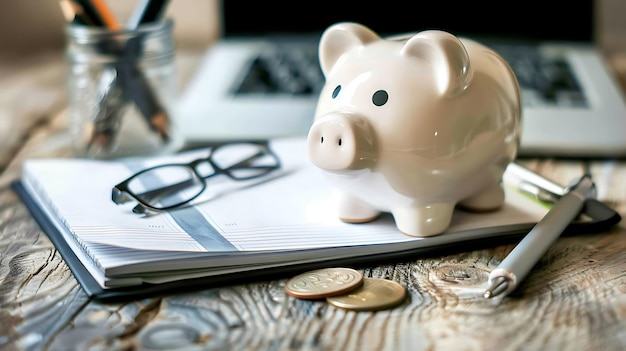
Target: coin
375, 294
321, 283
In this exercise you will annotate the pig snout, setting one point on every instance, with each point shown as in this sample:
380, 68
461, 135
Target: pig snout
339, 142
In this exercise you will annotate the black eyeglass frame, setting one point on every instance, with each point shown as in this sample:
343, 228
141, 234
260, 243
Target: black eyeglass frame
122, 194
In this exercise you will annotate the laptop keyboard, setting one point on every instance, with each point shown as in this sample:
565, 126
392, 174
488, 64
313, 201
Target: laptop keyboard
288, 71
543, 81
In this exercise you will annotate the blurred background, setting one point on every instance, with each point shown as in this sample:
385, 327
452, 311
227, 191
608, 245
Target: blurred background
30, 27
34, 26
31, 31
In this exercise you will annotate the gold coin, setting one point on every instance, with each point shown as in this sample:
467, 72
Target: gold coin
375, 294
323, 282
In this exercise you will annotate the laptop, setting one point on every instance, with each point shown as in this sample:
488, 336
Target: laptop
262, 77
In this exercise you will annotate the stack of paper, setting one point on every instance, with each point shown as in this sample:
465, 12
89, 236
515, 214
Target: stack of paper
282, 221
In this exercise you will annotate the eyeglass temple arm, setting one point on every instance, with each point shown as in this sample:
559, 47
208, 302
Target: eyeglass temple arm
159, 192
120, 197
153, 194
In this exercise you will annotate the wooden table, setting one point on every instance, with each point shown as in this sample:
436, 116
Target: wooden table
574, 299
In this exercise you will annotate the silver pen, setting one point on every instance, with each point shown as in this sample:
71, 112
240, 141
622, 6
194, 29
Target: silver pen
514, 268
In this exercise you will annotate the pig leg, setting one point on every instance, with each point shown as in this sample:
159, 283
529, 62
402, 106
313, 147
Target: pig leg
489, 199
424, 221
354, 210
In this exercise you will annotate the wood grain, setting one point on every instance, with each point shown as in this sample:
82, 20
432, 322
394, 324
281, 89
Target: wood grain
574, 299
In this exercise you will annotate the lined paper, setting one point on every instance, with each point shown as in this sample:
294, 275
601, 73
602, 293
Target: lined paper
232, 224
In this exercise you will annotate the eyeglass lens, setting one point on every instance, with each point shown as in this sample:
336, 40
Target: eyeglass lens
171, 185
243, 161
166, 186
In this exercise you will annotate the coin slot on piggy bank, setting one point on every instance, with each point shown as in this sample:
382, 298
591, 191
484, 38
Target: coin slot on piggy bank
414, 126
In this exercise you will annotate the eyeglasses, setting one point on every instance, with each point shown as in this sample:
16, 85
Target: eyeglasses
169, 186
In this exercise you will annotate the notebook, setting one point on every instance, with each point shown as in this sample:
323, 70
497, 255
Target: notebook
282, 223
261, 79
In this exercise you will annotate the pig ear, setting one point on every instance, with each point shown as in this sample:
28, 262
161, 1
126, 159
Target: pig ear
340, 38
448, 57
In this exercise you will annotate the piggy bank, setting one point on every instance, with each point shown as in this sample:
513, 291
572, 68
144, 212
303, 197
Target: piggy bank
413, 125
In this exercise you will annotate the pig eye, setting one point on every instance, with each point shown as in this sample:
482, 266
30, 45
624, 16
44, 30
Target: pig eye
336, 91
380, 98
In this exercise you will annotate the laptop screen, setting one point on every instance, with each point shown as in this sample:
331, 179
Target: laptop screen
526, 20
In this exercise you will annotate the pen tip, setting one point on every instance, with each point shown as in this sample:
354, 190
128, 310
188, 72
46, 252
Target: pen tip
498, 286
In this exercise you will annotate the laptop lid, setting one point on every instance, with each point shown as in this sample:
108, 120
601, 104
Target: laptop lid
213, 111
530, 20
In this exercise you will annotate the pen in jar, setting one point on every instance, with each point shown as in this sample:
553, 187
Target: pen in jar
133, 81
80, 13
107, 119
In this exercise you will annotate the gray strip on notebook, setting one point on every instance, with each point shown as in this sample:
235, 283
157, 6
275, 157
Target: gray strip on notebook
194, 223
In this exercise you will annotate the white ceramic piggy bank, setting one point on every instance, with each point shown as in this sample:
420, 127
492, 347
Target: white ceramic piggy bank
413, 126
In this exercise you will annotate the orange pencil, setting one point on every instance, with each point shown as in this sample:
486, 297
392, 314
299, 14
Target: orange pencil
107, 15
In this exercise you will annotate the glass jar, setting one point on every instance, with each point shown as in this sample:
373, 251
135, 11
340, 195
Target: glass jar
122, 89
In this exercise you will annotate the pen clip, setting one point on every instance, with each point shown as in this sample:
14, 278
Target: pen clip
538, 193
533, 184
595, 216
